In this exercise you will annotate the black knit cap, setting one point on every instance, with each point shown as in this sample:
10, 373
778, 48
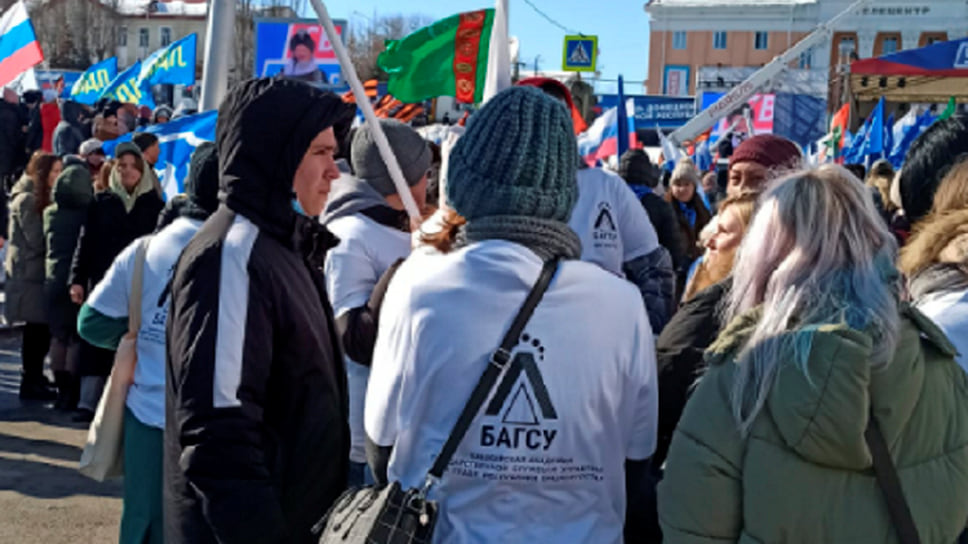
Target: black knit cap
201, 185
637, 169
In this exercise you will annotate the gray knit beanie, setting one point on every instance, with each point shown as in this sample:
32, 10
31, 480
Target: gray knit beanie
518, 157
411, 150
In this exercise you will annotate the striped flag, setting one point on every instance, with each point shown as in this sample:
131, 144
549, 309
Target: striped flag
19, 48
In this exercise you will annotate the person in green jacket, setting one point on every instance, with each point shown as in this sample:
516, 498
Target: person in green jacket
771, 446
24, 265
72, 194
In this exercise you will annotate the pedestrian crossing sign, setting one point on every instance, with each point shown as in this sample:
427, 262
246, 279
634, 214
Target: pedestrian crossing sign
580, 54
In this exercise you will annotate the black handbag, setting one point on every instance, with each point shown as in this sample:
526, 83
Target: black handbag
890, 484
392, 515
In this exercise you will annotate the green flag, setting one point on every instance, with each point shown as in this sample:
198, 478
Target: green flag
447, 58
950, 110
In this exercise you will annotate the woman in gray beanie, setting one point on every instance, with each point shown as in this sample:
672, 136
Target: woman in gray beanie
573, 415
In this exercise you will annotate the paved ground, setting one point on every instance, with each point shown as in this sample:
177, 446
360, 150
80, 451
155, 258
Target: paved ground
43, 499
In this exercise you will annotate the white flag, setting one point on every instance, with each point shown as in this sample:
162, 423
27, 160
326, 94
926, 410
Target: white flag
498, 75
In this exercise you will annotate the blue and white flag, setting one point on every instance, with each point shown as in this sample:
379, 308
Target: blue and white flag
907, 130
126, 89
172, 65
88, 88
177, 140
874, 142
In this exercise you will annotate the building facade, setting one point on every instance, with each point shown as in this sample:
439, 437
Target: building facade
148, 25
699, 44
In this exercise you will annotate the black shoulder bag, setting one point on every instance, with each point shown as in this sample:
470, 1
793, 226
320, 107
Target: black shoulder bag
890, 484
391, 515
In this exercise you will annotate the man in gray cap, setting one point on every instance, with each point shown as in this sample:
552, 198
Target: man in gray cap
367, 215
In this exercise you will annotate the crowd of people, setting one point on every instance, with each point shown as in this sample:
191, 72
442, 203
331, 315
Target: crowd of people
705, 365
71, 212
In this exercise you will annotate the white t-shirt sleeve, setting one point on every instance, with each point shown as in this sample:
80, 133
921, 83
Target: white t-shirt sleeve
350, 276
638, 235
393, 357
644, 391
110, 295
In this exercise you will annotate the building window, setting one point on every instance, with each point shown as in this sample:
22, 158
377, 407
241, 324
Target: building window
122, 36
679, 40
165, 36
719, 40
931, 40
761, 40
143, 37
847, 46
806, 60
890, 45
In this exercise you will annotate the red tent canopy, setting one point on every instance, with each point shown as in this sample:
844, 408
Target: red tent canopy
930, 74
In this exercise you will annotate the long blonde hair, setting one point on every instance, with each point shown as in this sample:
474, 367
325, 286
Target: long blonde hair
816, 253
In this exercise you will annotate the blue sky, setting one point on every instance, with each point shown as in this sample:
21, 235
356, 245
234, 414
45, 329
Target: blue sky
621, 27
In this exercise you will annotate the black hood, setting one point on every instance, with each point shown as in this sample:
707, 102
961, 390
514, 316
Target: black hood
72, 112
264, 128
201, 185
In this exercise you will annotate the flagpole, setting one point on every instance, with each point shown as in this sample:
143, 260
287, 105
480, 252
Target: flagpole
218, 41
363, 102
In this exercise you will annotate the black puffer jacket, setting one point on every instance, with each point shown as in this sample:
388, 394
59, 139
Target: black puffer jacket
256, 438
109, 229
666, 225
680, 350
11, 140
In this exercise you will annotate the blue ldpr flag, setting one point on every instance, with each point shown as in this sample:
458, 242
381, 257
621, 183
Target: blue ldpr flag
854, 153
125, 88
888, 137
172, 65
88, 88
177, 140
874, 143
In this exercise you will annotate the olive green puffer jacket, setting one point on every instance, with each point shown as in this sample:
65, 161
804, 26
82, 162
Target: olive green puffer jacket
804, 473
24, 263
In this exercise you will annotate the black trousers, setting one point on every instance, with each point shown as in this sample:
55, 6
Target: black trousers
36, 344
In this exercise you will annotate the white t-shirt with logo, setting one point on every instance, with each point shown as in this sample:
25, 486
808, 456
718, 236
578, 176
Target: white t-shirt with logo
353, 268
613, 226
544, 459
146, 397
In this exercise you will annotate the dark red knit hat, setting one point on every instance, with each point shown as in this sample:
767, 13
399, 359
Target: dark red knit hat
768, 151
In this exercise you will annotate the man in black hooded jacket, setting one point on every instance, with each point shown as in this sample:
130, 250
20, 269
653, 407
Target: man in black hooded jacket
256, 439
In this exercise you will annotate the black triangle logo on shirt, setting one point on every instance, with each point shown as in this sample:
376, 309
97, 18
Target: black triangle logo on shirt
605, 218
523, 362
521, 410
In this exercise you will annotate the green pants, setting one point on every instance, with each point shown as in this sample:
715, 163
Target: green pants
142, 519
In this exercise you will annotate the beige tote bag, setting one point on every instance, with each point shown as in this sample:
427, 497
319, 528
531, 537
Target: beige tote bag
103, 455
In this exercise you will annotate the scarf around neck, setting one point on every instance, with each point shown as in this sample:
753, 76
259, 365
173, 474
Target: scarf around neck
548, 239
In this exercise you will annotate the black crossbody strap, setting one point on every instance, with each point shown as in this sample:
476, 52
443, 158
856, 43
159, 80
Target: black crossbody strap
499, 359
890, 484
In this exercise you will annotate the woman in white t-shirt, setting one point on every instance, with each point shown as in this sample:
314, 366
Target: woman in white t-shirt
572, 418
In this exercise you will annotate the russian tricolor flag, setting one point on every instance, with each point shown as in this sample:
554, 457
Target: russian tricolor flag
19, 48
600, 141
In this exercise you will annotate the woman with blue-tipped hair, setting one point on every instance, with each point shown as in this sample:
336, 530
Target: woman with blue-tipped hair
776, 443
